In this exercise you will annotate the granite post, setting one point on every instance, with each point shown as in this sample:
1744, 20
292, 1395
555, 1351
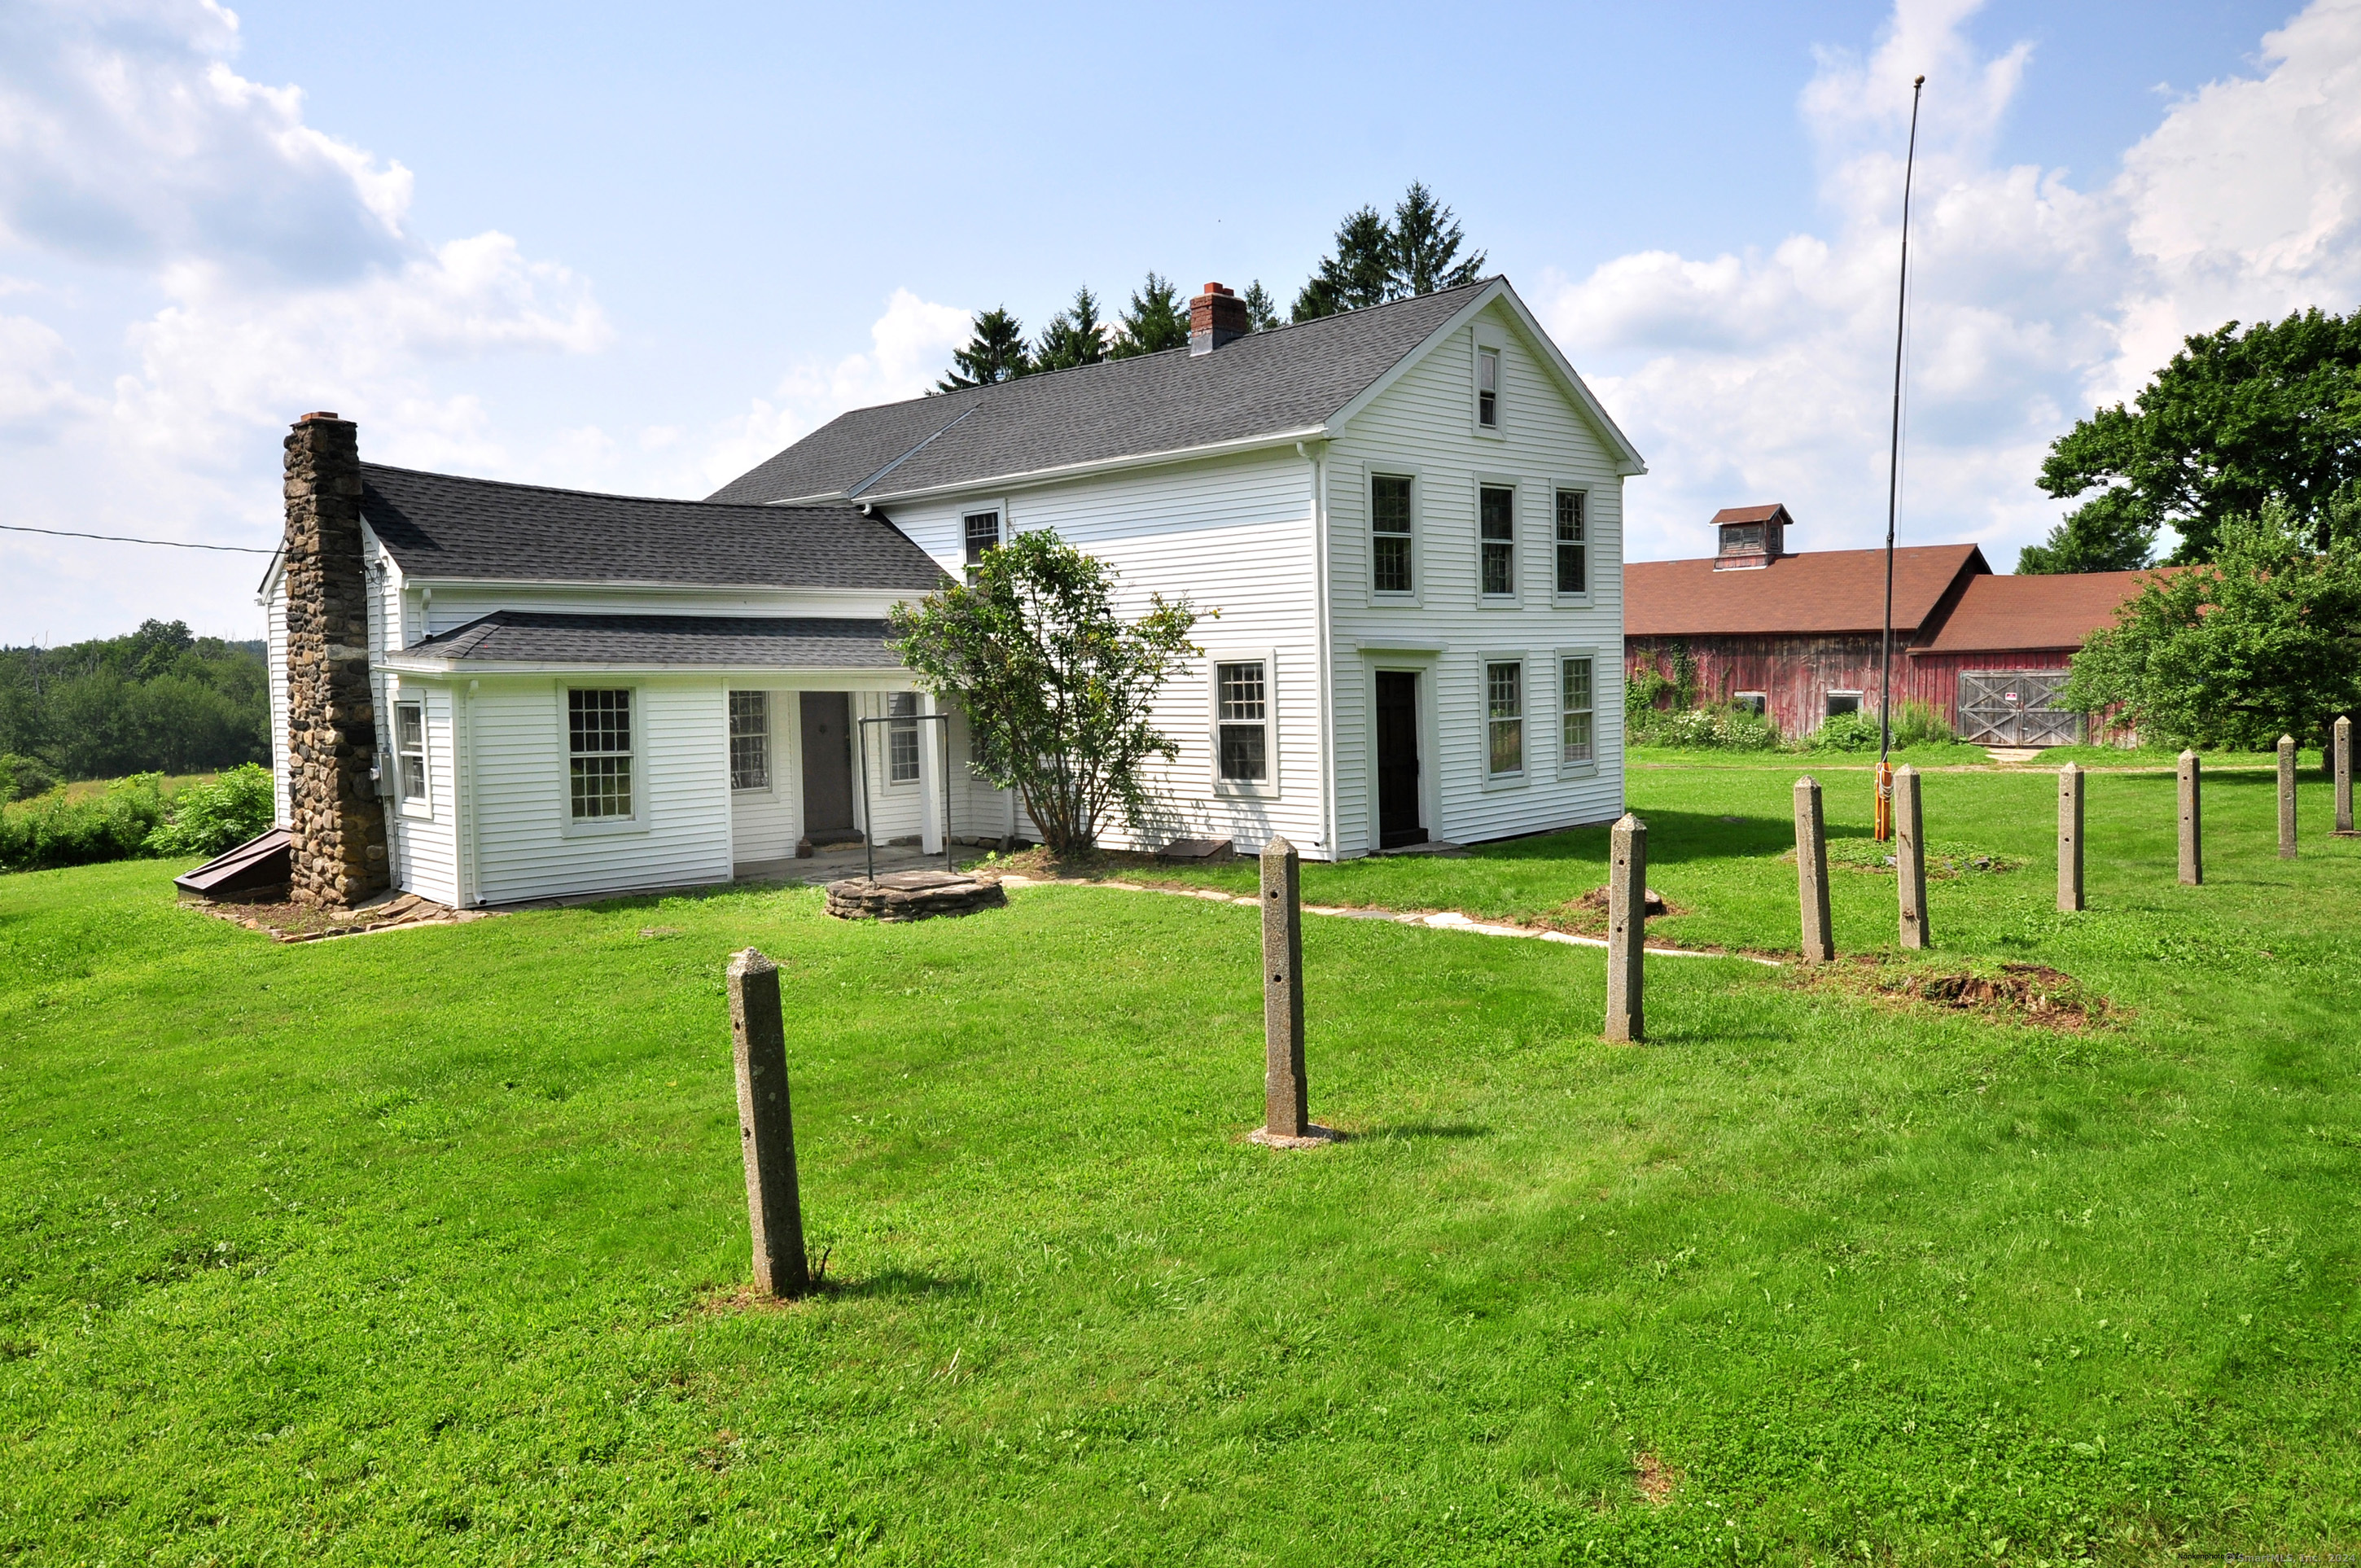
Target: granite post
2341, 746
2193, 826
766, 1125
1910, 857
336, 827
2069, 838
1285, 1098
1812, 873
1627, 928
2287, 797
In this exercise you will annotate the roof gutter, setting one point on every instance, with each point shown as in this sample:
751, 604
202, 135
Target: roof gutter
1276, 440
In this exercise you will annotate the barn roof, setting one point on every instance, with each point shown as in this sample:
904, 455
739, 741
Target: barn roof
1820, 591
2039, 611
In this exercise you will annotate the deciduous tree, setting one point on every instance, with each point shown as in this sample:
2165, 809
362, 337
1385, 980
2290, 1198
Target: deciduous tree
1054, 685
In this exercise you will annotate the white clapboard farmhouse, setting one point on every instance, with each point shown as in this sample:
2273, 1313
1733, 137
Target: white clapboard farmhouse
1409, 517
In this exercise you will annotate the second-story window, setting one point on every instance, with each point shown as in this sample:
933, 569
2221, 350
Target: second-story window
1389, 533
983, 538
1573, 546
1496, 516
1487, 388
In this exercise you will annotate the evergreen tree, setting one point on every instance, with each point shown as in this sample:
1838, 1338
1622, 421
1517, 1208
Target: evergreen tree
1358, 273
1155, 322
996, 353
1426, 246
1262, 311
1074, 336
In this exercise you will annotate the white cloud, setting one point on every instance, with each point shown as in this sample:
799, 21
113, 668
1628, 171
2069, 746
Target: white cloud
1768, 375
909, 346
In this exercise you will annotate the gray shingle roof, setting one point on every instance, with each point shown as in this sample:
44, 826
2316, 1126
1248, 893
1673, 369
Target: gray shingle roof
636, 641
442, 526
1291, 377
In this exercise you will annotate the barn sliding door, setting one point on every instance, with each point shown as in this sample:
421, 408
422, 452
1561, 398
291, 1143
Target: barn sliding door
2016, 707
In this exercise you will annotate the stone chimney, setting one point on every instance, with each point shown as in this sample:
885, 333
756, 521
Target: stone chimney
336, 837
1215, 317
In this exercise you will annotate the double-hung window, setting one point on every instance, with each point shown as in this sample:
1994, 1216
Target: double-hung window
599, 746
1496, 521
902, 738
750, 739
982, 531
1504, 717
1390, 537
410, 748
1242, 720
1487, 388
1577, 707
1573, 545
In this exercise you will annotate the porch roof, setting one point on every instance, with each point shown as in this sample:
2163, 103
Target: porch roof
573, 640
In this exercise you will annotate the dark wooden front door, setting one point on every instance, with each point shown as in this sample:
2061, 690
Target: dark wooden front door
1398, 813
828, 767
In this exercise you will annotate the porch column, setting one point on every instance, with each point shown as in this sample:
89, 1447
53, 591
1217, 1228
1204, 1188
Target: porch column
932, 826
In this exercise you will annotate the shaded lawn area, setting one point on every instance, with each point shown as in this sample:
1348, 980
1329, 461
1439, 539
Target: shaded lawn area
414, 1247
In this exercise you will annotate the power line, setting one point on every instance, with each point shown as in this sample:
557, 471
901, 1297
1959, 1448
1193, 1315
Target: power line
126, 539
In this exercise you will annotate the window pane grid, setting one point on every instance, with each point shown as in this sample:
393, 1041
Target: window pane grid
1390, 528
902, 738
1487, 388
750, 739
1505, 711
1242, 711
982, 534
598, 727
1496, 512
410, 749
1573, 563
1578, 710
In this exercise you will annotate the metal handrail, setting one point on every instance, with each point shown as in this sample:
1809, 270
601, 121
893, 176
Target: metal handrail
868, 819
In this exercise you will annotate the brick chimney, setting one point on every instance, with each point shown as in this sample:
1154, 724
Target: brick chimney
338, 832
1215, 317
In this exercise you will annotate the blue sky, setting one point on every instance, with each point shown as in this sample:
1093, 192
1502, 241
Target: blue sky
629, 250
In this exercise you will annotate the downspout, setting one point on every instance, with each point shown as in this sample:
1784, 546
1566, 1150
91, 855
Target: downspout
463, 794
1326, 658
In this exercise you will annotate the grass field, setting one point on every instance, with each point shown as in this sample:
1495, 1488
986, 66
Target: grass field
424, 1247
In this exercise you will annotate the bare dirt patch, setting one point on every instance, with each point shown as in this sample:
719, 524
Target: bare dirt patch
1654, 1478
2024, 994
301, 923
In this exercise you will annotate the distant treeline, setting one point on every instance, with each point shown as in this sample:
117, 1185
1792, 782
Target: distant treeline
159, 700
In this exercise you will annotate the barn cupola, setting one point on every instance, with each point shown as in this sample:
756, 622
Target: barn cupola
1215, 317
1749, 536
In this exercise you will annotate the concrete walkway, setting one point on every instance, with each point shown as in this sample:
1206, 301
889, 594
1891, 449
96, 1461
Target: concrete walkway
850, 860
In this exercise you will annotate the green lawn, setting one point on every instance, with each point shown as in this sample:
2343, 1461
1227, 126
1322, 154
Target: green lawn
418, 1246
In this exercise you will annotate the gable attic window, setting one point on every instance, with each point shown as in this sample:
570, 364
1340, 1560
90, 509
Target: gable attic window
1496, 519
750, 739
982, 531
410, 748
1487, 388
902, 738
599, 745
1390, 537
1241, 715
1572, 549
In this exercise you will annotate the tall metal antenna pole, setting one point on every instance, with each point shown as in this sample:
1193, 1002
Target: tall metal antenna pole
1894, 492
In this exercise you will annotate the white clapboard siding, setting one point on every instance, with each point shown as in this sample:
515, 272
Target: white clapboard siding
1425, 424
426, 839
524, 846
274, 614
1234, 535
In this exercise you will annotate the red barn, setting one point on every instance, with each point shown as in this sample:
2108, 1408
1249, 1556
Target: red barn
1798, 636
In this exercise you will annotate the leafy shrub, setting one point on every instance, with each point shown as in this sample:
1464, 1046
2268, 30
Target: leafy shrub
23, 777
206, 818
1848, 732
1730, 728
1921, 724
54, 831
